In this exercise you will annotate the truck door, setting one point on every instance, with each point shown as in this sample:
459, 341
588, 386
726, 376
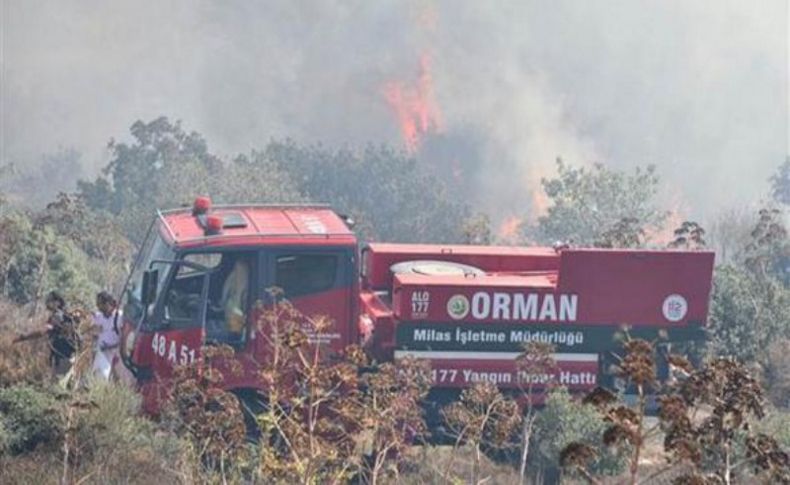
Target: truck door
318, 283
176, 328
206, 300
171, 329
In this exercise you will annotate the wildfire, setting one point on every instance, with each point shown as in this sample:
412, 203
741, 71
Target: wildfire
414, 105
540, 203
508, 230
666, 233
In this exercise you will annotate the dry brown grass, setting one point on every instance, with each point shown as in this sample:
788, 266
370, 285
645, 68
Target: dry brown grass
23, 361
38, 467
430, 466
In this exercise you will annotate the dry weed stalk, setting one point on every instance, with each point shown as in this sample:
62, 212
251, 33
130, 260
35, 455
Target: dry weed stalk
703, 416
482, 417
320, 418
536, 360
207, 414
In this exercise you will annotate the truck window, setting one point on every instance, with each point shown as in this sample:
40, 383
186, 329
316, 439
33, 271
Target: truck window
229, 296
305, 274
154, 248
225, 305
183, 300
208, 260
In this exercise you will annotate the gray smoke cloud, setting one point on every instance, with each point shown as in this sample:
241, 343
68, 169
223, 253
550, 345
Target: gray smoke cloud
698, 88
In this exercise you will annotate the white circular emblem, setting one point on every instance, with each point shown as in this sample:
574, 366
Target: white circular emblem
458, 307
675, 308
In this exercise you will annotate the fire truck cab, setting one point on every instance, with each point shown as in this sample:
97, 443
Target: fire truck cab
201, 271
469, 310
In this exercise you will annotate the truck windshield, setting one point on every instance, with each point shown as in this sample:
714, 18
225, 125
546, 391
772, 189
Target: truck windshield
154, 248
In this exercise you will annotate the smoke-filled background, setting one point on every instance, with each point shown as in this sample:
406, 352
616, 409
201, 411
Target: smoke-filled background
489, 92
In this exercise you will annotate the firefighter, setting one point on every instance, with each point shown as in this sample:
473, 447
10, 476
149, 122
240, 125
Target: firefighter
234, 296
61, 333
107, 343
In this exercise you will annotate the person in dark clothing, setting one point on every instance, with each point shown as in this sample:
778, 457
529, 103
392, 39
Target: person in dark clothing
61, 333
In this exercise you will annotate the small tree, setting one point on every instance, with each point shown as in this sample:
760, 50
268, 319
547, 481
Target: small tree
477, 230
768, 252
140, 176
386, 191
747, 313
625, 233
94, 232
36, 259
586, 204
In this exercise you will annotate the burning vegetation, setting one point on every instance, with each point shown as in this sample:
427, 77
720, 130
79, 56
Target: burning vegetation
414, 105
481, 365
335, 422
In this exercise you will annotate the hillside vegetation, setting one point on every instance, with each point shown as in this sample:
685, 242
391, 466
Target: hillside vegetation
726, 421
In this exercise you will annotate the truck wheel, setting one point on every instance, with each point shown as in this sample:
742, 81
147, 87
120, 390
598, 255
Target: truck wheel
435, 268
252, 404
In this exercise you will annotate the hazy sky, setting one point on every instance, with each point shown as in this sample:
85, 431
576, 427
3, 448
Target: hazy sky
698, 88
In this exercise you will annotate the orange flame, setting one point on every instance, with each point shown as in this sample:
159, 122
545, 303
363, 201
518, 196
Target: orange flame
540, 204
677, 215
508, 230
666, 233
415, 106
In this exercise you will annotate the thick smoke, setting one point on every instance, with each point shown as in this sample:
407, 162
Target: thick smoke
698, 88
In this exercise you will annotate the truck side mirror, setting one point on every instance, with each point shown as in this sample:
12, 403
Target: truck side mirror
148, 290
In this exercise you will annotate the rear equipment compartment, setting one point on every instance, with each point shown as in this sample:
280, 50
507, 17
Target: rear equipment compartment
470, 310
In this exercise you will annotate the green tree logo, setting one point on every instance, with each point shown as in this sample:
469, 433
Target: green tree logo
458, 307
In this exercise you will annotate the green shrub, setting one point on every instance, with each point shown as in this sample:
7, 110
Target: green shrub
118, 445
777, 424
747, 314
30, 417
5, 438
564, 420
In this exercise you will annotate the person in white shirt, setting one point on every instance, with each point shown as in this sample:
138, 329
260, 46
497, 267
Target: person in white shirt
109, 339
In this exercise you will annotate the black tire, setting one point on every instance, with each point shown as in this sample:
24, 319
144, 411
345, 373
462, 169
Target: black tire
252, 404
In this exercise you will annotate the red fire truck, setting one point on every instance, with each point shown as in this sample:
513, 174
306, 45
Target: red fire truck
469, 310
